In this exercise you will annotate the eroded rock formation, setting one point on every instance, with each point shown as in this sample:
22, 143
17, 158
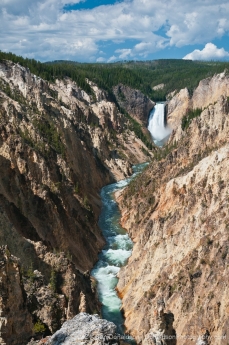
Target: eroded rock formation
162, 331
134, 102
206, 94
15, 319
55, 156
58, 147
83, 329
177, 214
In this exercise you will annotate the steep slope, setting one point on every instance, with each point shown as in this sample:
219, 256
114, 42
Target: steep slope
58, 147
208, 92
42, 154
30, 306
177, 214
134, 102
12, 301
53, 141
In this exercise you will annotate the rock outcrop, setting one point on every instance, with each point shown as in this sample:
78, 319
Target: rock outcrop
210, 90
178, 104
84, 329
29, 299
206, 94
162, 332
43, 153
134, 102
60, 292
177, 215
15, 319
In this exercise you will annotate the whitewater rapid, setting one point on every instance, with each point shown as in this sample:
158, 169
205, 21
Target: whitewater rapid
115, 254
159, 132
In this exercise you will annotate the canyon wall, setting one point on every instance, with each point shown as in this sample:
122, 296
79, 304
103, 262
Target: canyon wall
134, 102
207, 93
177, 215
58, 147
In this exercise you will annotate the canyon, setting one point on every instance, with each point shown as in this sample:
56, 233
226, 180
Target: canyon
59, 145
176, 213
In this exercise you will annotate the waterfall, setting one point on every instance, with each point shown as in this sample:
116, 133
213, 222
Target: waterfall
159, 132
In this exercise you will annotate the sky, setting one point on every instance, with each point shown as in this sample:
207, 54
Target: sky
110, 30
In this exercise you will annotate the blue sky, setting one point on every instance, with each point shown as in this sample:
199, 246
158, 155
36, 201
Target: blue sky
87, 4
107, 31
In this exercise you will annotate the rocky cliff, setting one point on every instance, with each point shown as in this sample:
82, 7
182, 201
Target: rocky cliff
12, 301
58, 147
177, 215
134, 102
207, 93
83, 329
33, 303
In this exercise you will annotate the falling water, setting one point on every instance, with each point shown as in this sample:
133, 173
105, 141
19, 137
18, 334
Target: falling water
160, 133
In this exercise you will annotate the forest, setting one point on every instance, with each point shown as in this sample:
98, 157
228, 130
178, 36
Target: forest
175, 74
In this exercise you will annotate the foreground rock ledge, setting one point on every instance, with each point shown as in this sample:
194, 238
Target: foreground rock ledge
84, 329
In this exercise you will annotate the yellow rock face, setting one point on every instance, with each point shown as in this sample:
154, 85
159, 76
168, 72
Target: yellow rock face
177, 214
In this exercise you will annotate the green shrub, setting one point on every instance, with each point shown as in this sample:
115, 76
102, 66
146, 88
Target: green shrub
49, 131
39, 327
76, 188
187, 119
53, 281
30, 273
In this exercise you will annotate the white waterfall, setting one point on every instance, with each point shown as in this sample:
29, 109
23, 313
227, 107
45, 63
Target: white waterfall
156, 126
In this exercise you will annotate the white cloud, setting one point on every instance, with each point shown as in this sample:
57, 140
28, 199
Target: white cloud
112, 58
124, 53
100, 59
144, 48
209, 52
41, 28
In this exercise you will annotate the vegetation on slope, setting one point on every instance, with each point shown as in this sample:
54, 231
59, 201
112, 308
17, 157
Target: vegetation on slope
141, 75
174, 74
144, 75
191, 114
79, 73
48, 71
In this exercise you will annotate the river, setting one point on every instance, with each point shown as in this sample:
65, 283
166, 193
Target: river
115, 253
118, 246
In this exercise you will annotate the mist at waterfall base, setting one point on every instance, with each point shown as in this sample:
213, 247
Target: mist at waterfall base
115, 253
159, 132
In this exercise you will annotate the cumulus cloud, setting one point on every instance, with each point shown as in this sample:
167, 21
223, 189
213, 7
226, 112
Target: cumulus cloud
112, 58
209, 52
124, 53
101, 59
44, 30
